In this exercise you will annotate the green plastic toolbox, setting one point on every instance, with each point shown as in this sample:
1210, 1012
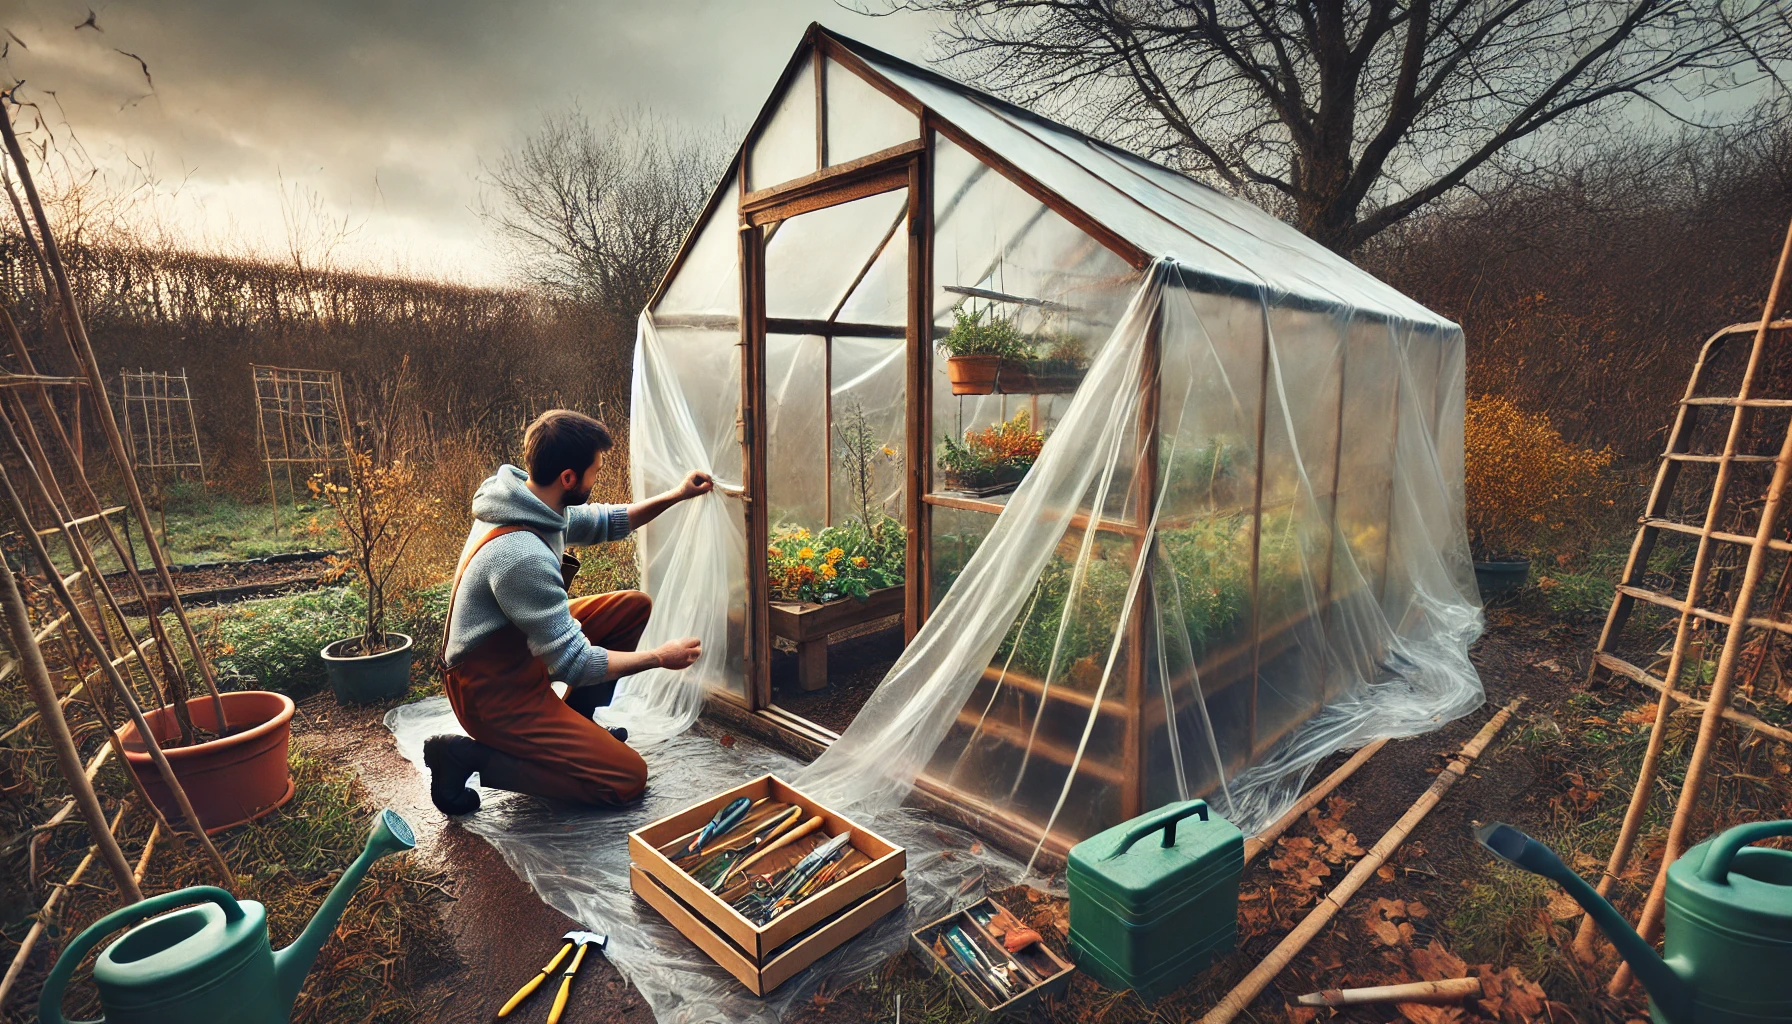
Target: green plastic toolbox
1148, 916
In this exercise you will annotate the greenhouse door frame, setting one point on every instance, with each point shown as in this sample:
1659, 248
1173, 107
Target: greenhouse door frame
904, 166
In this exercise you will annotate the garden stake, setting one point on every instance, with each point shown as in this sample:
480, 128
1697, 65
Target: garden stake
1449, 990
1254, 983
1261, 841
27, 944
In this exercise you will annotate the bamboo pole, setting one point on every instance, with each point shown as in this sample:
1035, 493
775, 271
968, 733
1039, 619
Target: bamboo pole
43, 691
1720, 688
150, 743
1449, 990
1262, 840
1255, 982
37, 927
77, 332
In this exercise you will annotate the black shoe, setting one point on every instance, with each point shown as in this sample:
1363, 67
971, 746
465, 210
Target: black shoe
451, 760
619, 732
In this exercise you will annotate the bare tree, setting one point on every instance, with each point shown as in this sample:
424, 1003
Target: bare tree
596, 212
1352, 114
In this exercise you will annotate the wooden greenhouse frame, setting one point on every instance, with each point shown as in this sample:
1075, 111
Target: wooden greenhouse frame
909, 166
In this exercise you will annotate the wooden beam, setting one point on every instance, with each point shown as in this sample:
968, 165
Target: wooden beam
837, 185
833, 328
917, 409
1627, 670
753, 422
1126, 250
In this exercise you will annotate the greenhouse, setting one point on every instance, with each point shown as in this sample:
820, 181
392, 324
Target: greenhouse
1108, 488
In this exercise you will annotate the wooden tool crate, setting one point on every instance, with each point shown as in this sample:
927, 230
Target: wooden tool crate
1053, 970
765, 956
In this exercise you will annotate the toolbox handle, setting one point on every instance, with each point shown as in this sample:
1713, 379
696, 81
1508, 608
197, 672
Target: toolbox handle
1166, 819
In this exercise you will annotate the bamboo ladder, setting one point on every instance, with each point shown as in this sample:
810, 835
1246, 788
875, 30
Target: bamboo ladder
40, 474
1696, 604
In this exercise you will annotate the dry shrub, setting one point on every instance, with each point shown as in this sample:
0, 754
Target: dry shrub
1523, 478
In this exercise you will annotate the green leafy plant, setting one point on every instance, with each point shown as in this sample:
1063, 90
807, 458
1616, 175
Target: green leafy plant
859, 452
848, 560
993, 456
979, 332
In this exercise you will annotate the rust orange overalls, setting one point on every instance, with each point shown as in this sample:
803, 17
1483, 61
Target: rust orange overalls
503, 695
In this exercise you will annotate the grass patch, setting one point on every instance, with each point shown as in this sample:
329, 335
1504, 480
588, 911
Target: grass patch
389, 942
276, 643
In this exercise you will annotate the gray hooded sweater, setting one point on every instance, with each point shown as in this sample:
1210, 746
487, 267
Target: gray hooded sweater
516, 578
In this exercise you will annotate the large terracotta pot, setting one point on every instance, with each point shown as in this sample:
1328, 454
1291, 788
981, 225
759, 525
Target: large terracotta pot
973, 375
232, 780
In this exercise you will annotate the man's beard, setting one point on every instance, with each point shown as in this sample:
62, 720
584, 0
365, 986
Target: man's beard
577, 497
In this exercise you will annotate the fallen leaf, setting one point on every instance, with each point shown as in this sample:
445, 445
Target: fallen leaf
1385, 872
1420, 1013
1301, 1014
821, 999
726, 740
1435, 963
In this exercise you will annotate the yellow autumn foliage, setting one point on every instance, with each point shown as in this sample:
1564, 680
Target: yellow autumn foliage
1524, 477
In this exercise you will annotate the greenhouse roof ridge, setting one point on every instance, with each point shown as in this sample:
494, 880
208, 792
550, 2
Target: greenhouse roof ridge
1158, 210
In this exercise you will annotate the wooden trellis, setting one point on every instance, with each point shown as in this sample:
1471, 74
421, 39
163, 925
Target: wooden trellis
160, 429
99, 660
301, 422
1699, 609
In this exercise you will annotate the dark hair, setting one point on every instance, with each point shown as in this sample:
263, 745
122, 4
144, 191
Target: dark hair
561, 439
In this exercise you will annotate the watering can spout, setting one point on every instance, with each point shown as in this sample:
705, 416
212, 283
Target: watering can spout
391, 834
1670, 991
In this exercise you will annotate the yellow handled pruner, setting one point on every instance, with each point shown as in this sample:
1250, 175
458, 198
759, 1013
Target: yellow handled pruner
583, 941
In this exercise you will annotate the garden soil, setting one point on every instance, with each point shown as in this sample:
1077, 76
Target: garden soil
504, 933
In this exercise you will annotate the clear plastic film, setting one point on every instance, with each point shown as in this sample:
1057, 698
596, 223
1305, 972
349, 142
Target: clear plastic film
1239, 548
576, 859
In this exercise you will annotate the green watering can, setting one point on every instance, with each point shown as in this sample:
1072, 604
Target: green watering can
209, 962
1729, 925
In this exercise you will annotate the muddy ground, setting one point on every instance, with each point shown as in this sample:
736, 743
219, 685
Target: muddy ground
503, 933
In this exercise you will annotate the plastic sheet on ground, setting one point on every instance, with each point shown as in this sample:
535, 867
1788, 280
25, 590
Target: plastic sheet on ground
576, 859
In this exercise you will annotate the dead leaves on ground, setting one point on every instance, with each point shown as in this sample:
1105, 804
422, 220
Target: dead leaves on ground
1507, 997
1389, 922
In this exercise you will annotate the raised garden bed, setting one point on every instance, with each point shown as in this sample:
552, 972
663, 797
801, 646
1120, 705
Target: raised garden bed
212, 583
808, 624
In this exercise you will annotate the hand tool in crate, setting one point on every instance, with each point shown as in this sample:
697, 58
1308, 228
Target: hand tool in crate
1148, 916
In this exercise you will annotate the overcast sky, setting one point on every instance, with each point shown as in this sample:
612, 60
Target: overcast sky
383, 109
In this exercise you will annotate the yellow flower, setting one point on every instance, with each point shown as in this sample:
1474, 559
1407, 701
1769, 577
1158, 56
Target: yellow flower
859, 561
806, 553
835, 555
828, 572
889, 451
802, 534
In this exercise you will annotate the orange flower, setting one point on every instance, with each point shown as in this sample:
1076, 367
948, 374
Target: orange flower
859, 561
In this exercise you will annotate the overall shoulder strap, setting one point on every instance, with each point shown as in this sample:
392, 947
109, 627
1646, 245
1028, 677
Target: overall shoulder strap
461, 570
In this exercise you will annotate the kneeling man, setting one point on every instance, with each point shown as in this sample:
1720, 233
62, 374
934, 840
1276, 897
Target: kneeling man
512, 632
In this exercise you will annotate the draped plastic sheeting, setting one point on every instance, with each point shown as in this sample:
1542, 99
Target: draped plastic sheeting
1292, 605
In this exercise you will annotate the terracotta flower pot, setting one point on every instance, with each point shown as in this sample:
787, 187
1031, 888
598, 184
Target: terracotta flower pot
973, 375
231, 780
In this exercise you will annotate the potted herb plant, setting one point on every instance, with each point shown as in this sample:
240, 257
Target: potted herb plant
378, 512
992, 460
976, 347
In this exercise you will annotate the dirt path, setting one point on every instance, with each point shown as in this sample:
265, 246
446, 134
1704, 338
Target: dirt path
503, 932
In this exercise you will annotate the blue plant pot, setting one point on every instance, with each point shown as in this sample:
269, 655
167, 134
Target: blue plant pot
369, 678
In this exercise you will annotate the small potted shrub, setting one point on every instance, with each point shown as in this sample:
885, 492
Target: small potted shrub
1523, 479
992, 460
379, 513
976, 347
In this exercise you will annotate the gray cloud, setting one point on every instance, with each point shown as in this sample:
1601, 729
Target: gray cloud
336, 95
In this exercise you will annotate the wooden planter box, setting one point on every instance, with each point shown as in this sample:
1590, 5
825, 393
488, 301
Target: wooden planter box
1054, 970
764, 957
808, 625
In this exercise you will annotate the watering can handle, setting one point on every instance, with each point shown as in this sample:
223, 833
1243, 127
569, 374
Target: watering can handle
1165, 819
1724, 848
49, 1007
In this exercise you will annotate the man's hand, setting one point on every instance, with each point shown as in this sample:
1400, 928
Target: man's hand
694, 484
679, 654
